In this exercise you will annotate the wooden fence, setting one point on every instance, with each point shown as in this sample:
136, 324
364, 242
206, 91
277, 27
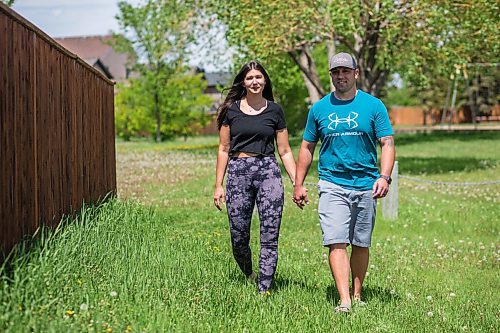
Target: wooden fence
57, 135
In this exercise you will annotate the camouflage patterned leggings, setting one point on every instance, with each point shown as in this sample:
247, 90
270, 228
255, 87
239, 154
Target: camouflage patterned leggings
253, 180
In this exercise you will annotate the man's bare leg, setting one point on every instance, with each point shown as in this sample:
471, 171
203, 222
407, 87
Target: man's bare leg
339, 265
359, 265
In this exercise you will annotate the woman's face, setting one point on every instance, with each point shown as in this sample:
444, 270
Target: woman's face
254, 82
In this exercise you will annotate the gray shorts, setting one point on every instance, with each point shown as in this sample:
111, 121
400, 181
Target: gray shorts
346, 216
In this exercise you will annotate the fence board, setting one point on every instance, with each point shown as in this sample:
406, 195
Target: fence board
56, 131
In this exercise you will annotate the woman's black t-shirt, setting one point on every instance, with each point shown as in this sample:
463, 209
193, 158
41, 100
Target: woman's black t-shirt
254, 133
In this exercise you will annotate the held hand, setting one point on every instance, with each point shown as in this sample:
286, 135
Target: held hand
380, 188
219, 197
300, 196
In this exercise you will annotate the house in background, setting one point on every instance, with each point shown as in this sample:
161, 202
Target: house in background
215, 82
96, 51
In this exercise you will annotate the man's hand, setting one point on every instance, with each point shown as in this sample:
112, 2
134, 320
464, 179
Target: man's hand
300, 196
219, 197
380, 188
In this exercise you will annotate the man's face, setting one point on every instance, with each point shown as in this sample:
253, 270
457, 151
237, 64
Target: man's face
343, 78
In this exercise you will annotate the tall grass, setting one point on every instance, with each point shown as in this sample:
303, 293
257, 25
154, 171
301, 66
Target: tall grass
161, 260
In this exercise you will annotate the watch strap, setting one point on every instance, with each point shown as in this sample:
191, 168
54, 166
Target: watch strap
387, 178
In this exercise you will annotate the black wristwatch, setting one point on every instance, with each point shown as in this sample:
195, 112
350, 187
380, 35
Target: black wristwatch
388, 179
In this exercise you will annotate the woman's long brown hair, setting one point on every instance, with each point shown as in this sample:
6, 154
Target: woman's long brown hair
237, 91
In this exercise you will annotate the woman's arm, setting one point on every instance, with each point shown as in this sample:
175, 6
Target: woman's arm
285, 153
220, 169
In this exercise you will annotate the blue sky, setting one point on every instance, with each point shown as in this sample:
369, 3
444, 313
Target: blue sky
63, 18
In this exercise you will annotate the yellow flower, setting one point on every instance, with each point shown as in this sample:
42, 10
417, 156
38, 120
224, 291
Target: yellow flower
70, 313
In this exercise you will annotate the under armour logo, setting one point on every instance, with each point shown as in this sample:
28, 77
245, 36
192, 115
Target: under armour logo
350, 120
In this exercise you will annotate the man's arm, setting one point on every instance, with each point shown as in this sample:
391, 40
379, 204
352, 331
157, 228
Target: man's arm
387, 157
304, 160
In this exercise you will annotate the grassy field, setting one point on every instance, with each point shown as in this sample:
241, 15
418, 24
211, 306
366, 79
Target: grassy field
158, 259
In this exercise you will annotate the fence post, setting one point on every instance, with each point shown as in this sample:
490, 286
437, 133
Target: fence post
390, 202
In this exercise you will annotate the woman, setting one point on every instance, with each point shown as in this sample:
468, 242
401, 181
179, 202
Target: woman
249, 122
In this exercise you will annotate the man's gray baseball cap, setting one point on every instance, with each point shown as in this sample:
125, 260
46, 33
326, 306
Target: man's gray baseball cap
342, 59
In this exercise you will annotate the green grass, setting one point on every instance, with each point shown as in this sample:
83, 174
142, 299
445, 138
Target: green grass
161, 260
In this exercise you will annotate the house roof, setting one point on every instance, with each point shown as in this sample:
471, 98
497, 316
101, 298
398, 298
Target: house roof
217, 79
91, 48
97, 63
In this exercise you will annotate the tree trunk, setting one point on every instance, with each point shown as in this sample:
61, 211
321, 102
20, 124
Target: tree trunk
331, 49
307, 66
158, 117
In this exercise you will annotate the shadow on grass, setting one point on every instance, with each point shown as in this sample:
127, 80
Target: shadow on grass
427, 165
407, 139
439, 165
37, 244
369, 293
286, 283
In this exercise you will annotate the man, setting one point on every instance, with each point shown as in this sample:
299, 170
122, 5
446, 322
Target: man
349, 122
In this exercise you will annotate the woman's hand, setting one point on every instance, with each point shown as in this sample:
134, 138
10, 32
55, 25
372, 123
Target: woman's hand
219, 196
300, 196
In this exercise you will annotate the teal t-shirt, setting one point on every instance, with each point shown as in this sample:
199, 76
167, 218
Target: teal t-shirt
348, 131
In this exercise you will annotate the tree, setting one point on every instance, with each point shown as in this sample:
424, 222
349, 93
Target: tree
132, 116
159, 32
182, 107
385, 36
8, 2
186, 104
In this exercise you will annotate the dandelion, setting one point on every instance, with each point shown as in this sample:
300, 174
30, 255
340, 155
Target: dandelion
429, 298
409, 295
430, 314
452, 295
305, 250
393, 291
113, 294
70, 313
84, 307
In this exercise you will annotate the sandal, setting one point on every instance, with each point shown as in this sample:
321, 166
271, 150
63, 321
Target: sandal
252, 278
343, 308
358, 302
